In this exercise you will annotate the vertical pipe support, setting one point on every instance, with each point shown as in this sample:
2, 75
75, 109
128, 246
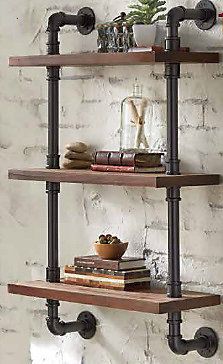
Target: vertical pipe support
205, 341
86, 322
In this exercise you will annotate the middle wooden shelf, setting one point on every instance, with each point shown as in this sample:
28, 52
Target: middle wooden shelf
114, 179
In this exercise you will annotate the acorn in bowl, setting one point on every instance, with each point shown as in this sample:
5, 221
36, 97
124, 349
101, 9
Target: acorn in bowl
110, 247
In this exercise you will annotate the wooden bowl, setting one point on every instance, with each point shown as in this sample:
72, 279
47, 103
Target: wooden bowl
111, 251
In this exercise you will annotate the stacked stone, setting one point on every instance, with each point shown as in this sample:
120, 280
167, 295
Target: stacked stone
77, 156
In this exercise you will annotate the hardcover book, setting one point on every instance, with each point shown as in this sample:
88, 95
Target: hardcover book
94, 261
96, 284
130, 159
70, 271
125, 169
105, 280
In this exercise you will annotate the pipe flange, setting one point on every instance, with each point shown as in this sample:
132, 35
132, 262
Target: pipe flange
89, 24
90, 324
212, 341
211, 19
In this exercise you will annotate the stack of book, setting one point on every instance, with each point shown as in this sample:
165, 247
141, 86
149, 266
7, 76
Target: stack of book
92, 271
128, 161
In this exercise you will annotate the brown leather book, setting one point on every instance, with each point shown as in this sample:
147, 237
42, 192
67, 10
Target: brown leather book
126, 169
102, 157
115, 158
94, 261
128, 158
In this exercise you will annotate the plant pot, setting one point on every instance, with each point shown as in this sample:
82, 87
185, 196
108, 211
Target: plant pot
144, 34
111, 251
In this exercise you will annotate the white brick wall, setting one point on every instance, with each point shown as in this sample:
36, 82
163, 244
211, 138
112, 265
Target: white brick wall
86, 211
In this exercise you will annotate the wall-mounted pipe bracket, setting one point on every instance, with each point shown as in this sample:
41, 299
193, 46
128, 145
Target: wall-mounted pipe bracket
211, 12
88, 26
85, 325
84, 21
211, 339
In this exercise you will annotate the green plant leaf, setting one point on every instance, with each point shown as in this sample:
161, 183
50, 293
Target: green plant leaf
160, 17
147, 11
138, 7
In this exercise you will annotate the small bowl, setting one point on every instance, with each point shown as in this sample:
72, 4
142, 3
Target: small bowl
111, 251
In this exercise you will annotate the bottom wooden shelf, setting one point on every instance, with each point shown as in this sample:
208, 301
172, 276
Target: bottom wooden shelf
154, 301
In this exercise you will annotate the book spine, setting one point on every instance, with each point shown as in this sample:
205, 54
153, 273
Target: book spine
113, 265
107, 273
102, 157
160, 169
128, 159
108, 158
92, 284
108, 279
124, 169
154, 161
143, 285
115, 158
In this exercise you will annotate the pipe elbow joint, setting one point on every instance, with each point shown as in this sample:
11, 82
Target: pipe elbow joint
178, 345
56, 21
55, 326
175, 16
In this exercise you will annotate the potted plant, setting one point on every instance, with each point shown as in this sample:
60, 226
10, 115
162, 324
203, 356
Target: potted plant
143, 17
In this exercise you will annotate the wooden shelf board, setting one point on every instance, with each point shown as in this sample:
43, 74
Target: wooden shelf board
112, 59
154, 301
114, 179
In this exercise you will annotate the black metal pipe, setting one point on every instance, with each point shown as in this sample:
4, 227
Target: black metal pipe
174, 283
57, 327
53, 270
172, 73
204, 16
53, 189
53, 116
58, 20
177, 344
180, 13
86, 323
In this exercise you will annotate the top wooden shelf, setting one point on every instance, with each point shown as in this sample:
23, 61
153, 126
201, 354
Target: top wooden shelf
113, 59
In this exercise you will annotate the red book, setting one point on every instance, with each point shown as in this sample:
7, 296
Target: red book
126, 169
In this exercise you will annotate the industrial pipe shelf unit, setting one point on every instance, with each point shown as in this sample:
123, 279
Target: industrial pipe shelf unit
205, 341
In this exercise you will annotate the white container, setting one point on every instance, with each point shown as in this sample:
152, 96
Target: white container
144, 34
